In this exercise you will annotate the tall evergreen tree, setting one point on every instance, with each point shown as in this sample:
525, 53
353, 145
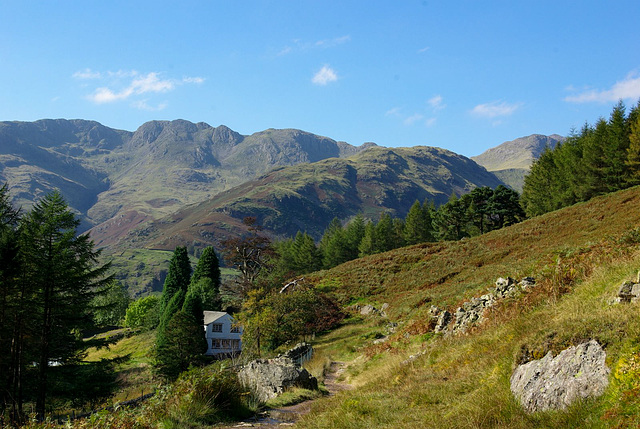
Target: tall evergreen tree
504, 206
60, 268
368, 243
479, 207
178, 276
208, 266
354, 232
205, 281
417, 225
385, 234
333, 245
13, 314
451, 219
633, 152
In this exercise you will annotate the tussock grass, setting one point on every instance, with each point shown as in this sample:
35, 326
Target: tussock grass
134, 375
463, 381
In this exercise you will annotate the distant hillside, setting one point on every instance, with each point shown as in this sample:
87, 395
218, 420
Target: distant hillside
124, 178
511, 160
307, 197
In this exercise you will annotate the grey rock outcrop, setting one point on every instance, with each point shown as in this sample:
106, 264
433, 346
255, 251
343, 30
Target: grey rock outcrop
553, 383
370, 310
268, 378
472, 312
628, 292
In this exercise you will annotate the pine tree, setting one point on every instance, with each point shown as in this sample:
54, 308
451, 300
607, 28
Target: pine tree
208, 266
206, 280
451, 219
306, 256
178, 276
479, 207
368, 243
384, 234
615, 146
417, 225
633, 152
60, 267
13, 317
504, 206
353, 235
182, 346
333, 245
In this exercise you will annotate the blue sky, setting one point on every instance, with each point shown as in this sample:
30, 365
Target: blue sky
462, 75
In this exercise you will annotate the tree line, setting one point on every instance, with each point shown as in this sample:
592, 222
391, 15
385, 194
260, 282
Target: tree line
49, 279
480, 211
598, 159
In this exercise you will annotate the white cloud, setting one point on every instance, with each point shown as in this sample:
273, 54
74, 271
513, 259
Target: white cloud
395, 111
436, 102
329, 43
299, 45
430, 122
87, 74
628, 88
495, 109
324, 76
425, 49
123, 85
142, 105
413, 119
197, 80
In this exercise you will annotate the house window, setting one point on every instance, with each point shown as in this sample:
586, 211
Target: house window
216, 327
235, 329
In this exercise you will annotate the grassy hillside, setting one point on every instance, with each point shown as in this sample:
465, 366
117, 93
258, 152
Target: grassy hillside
307, 197
579, 256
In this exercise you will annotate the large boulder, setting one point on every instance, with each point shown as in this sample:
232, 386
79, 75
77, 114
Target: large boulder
268, 378
553, 383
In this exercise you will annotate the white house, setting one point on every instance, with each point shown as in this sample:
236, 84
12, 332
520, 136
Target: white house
224, 337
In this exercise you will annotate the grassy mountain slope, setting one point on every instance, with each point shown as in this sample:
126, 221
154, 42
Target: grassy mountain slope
123, 178
511, 160
579, 256
308, 196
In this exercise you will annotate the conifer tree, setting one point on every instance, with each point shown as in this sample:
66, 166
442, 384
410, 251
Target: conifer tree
633, 153
208, 266
205, 281
384, 234
451, 219
60, 268
13, 315
417, 228
354, 232
333, 245
306, 256
178, 276
368, 243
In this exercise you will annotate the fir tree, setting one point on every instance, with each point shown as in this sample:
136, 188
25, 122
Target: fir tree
60, 268
178, 276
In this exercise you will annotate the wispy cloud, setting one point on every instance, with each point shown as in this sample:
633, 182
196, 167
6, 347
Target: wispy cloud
130, 85
495, 109
329, 43
413, 119
436, 102
628, 88
423, 50
325, 76
87, 74
298, 45
394, 111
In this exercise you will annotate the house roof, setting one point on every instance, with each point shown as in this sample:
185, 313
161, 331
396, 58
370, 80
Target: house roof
212, 316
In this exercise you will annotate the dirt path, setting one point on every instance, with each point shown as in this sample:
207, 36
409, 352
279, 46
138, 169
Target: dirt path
287, 416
